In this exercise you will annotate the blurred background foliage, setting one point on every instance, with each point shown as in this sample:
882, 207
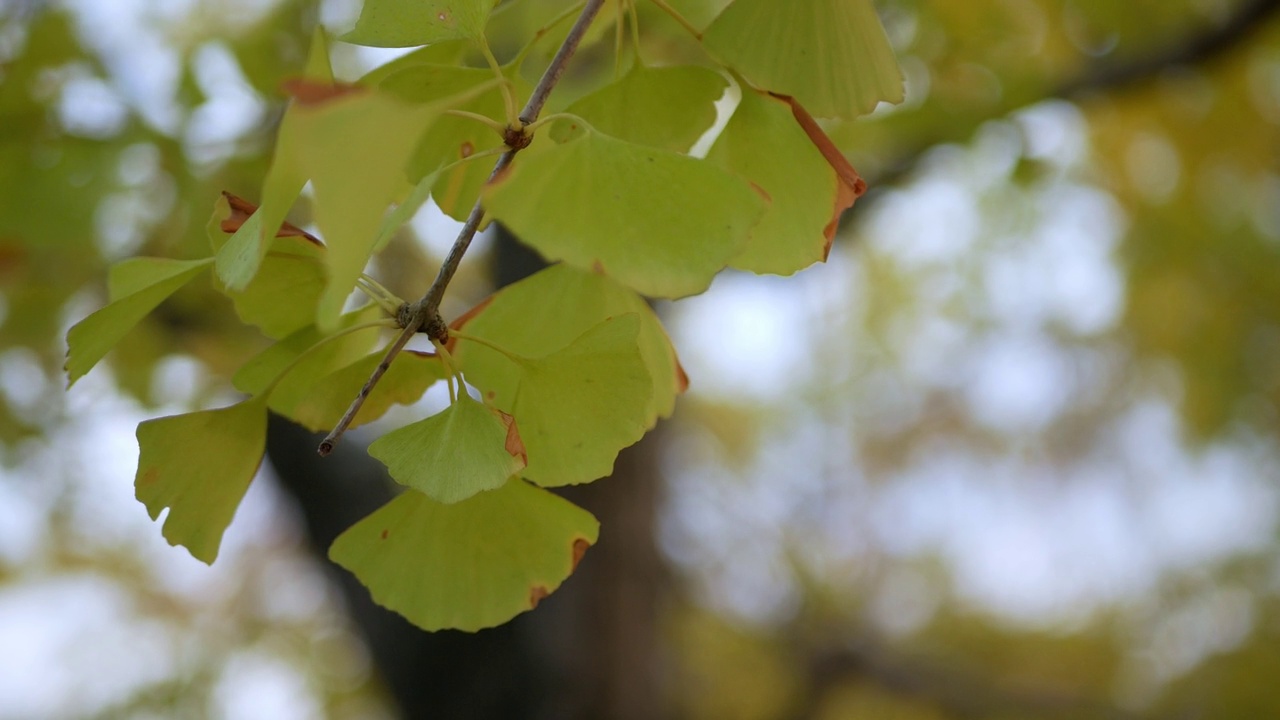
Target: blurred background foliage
1010, 454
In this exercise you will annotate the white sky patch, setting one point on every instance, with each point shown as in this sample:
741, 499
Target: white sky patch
256, 686
72, 645
747, 335
231, 108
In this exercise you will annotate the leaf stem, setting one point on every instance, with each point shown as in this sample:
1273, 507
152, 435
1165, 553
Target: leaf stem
450, 368
424, 315
482, 119
385, 299
675, 15
508, 100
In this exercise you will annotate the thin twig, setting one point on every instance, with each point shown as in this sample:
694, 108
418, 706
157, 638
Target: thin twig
424, 315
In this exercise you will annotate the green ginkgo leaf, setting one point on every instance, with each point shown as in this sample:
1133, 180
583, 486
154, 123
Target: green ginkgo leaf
405, 23
323, 404
240, 257
354, 148
136, 287
831, 55
667, 107
465, 449
764, 144
656, 221
550, 309
306, 362
453, 138
199, 465
578, 406
281, 297
469, 565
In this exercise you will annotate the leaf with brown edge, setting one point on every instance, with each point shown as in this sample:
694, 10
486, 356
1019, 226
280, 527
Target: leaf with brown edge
469, 565
577, 406
310, 93
280, 298
240, 210
852, 186
767, 143
828, 148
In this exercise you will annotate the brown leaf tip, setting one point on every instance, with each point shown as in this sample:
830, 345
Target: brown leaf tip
682, 378
536, 594
309, 92
242, 210
580, 546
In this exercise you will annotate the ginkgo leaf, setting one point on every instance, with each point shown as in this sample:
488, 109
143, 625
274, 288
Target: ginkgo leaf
667, 107
323, 404
550, 309
465, 449
469, 565
306, 362
239, 259
136, 287
656, 221
199, 465
453, 138
404, 23
281, 297
764, 144
832, 55
578, 406
353, 148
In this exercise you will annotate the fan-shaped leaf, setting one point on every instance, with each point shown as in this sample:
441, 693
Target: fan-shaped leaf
667, 108
659, 222
764, 144
469, 565
136, 287
550, 309
578, 406
463, 450
199, 465
238, 260
832, 55
282, 296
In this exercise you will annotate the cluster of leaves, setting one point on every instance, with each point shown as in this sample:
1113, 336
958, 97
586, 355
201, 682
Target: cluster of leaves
570, 365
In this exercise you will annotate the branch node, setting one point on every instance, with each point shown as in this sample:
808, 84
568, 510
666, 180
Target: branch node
436, 329
517, 138
404, 315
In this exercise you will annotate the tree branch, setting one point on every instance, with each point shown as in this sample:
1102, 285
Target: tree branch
958, 692
1103, 77
1196, 50
424, 315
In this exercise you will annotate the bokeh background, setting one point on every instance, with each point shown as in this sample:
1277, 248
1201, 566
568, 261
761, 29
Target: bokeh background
1011, 453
